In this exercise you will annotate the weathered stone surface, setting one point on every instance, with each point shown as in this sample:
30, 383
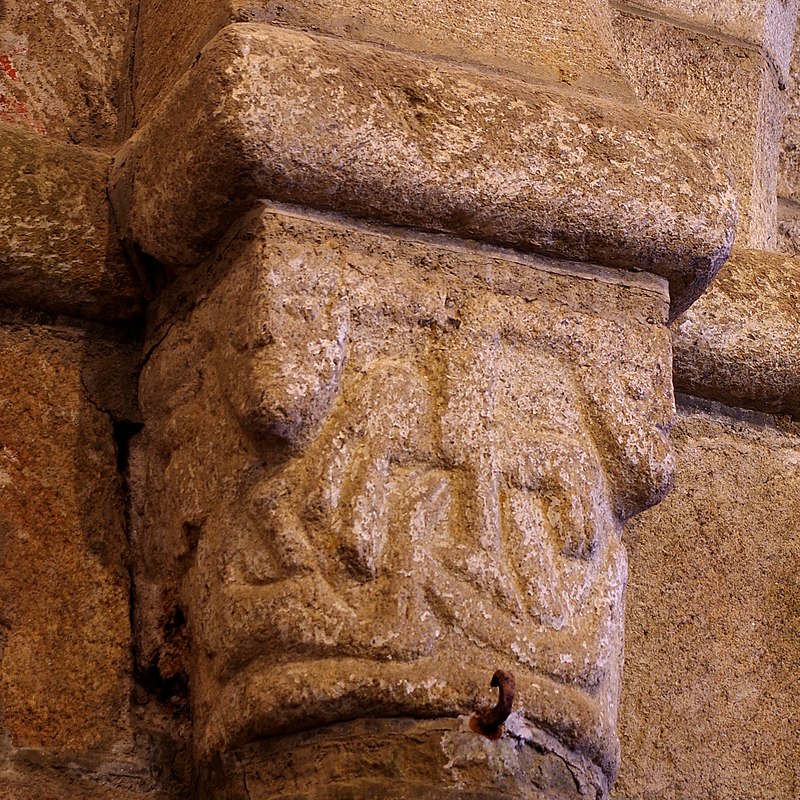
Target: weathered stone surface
374, 469
764, 234
65, 651
768, 24
65, 664
32, 774
397, 759
789, 166
740, 343
725, 85
69, 783
281, 115
710, 704
572, 45
789, 227
392, 462
61, 67
169, 43
58, 247
568, 44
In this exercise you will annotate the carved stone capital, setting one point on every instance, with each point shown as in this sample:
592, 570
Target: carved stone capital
376, 467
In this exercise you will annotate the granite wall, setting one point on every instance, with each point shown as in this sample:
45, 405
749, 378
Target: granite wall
475, 270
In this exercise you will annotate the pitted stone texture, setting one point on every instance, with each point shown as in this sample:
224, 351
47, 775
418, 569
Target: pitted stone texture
789, 227
65, 664
58, 248
568, 44
768, 24
285, 116
399, 759
710, 705
728, 87
740, 343
61, 67
69, 785
375, 469
789, 167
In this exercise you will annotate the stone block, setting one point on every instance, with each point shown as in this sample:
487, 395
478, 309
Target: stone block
70, 782
59, 250
709, 705
570, 45
769, 25
280, 115
65, 668
740, 343
61, 68
725, 85
395, 759
789, 165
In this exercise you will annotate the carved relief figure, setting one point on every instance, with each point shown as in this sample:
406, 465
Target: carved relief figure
372, 471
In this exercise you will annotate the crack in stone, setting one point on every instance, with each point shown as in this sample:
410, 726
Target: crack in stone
240, 765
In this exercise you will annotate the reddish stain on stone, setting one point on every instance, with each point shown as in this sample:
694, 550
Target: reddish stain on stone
8, 105
15, 112
12, 110
7, 65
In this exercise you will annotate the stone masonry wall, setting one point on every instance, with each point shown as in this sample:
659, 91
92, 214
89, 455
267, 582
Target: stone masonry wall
707, 711
712, 640
578, 164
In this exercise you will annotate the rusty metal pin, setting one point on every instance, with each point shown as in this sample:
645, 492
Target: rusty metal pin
489, 721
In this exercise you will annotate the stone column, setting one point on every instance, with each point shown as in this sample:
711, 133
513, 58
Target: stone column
387, 449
